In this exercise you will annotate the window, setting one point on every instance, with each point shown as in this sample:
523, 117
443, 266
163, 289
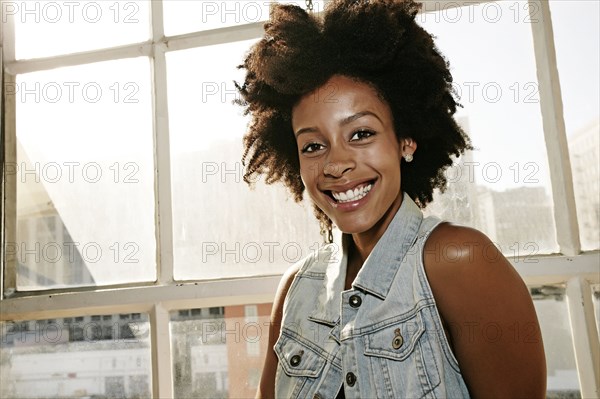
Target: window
52, 28
577, 55
550, 305
85, 147
74, 358
122, 154
209, 352
206, 169
216, 311
251, 320
195, 312
503, 186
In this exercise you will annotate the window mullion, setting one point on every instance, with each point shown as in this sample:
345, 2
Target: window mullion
8, 191
548, 270
76, 59
162, 363
8, 261
7, 38
215, 37
140, 299
565, 214
585, 336
162, 151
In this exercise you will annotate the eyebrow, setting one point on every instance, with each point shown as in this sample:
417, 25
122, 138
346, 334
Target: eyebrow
343, 122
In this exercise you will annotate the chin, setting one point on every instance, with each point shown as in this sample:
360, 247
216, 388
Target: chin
353, 227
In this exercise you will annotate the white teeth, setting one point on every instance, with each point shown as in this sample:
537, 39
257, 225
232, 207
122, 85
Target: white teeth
352, 195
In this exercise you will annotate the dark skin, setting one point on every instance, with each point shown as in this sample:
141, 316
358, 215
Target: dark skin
483, 303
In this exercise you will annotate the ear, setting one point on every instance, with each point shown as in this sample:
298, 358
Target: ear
408, 146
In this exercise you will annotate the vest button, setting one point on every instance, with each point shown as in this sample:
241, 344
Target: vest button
398, 340
317, 396
355, 301
350, 379
295, 360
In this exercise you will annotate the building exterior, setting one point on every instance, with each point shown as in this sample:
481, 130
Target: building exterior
584, 148
217, 353
102, 356
248, 349
523, 221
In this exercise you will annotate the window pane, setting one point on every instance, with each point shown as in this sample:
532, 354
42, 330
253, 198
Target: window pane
219, 352
503, 187
185, 16
85, 195
66, 359
221, 227
576, 37
46, 28
551, 307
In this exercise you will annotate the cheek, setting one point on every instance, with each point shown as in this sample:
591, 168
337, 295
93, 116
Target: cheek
308, 173
392, 168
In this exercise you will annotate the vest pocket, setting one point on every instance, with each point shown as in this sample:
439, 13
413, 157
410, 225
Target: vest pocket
395, 341
298, 359
300, 365
402, 361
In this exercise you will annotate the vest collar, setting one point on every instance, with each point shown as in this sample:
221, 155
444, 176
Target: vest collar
380, 267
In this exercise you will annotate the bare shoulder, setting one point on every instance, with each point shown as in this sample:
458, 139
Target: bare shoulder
462, 260
449, 243
490, 314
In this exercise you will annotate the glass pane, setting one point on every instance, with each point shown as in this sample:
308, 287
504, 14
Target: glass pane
46, 28
104, 356
551, 307
219, 352
185, 16
221, 227
85, 181
577, 41
503, 187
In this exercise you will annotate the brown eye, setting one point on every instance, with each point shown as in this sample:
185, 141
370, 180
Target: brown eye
311, 147
361, 135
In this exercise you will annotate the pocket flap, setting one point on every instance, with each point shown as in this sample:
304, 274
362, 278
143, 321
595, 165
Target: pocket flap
395, 340
298, 358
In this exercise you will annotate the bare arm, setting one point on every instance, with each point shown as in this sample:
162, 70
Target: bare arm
266, 388
491, 318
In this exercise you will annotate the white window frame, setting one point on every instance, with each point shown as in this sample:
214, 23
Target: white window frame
571, 268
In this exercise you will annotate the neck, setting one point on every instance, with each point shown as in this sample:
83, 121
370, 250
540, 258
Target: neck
365, 242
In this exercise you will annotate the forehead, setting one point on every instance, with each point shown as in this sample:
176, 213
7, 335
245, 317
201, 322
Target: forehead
340, 93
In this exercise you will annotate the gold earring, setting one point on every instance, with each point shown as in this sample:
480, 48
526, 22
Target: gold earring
326, 231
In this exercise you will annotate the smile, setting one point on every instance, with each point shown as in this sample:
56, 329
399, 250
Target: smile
351, 195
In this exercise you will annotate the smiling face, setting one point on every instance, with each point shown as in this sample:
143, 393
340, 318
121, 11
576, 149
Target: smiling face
349, 154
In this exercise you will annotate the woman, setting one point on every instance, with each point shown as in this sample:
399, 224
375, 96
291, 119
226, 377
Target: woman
357, 109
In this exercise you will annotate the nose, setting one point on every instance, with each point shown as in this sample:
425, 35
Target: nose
339, 162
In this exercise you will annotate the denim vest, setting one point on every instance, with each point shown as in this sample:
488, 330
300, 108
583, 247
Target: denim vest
383, 338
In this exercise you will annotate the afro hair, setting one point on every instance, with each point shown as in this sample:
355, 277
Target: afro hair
374, 41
